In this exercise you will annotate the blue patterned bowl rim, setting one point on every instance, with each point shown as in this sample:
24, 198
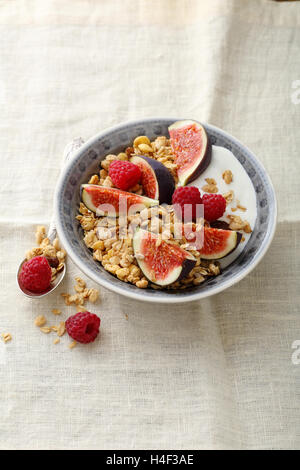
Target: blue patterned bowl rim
99, 146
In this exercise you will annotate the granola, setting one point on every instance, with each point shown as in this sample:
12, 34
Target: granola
56, 311
116, 254
40, 321
211, 186
227, 176
237, 223
85, 294
229, 196
55, 255
6, 337
61, 329
82, 295
45, 329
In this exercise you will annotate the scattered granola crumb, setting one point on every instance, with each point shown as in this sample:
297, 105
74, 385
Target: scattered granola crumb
243, 239
211, 186
227, 176
80, 282
56, 311
65, 296
80, 308
93, 295
247, 228
61, 329
46, 329
78, 289
229, 196
211, 181
40, 321
40, 234
242, 208
236, 223
56, 341
6, 337
126, 316
238, 206
72, 345
71, 299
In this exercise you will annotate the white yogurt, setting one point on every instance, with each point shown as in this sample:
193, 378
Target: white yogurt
221, 160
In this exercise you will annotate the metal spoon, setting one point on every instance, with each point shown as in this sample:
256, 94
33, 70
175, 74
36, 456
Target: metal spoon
69, 151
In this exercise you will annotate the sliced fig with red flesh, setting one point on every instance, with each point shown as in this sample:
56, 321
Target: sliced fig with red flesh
157, 181
108, 201
214, 243
192, 149
162, 263
218, 243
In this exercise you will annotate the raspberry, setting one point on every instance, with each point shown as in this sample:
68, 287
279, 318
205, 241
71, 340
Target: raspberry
214, 206
124, 175
83, 327
186, 195
36, 274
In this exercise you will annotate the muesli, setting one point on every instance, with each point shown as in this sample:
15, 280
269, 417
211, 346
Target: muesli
165, 242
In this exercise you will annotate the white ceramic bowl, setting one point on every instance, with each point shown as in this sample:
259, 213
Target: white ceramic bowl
86, 162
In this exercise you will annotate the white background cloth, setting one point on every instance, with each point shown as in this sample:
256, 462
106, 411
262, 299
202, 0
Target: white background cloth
211, 374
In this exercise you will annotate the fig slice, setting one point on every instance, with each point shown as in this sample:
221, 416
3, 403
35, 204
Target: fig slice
157, 181
218, 243
102, 200
162, 262
192, 149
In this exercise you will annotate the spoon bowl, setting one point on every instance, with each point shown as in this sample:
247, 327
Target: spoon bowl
38, 295
69, 151
60, 275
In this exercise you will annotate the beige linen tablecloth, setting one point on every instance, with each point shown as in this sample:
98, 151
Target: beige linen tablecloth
211, 374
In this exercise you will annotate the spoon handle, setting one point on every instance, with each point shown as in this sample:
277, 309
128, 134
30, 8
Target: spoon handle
69, 151
71, 148
52, 230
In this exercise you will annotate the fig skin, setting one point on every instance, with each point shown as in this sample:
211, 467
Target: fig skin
164, 179
239, 236
206, 159
221, 224
187, 265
